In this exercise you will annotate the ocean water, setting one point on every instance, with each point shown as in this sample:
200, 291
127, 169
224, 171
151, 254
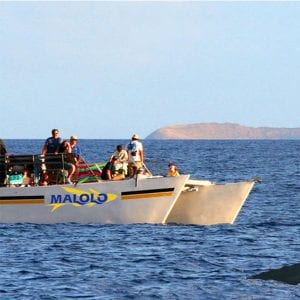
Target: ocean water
71, 261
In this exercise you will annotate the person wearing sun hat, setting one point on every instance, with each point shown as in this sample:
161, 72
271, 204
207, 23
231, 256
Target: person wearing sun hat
76, 153
75, 148
135, 155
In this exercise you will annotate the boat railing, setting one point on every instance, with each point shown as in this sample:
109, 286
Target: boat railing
34, 167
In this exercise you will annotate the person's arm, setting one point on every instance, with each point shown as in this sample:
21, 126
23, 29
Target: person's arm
109, 174
68, 148
44, 150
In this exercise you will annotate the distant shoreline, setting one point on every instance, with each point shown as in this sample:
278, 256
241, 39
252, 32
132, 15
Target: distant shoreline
223, 131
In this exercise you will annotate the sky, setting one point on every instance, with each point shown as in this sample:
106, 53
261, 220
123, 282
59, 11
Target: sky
107, 70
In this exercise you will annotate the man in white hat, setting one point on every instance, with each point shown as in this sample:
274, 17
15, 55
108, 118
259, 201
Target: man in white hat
135, 155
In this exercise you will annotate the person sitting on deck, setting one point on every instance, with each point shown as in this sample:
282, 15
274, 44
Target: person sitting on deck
52, 143
122, 160
44, 179
172, 170
14, 177
27, 179
74, 147
69, 162
76, 153
109, 171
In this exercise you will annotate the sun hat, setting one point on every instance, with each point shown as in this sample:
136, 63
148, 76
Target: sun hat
74, 137
135, 137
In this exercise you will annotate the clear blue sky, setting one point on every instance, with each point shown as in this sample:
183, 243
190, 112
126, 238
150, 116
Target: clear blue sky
111, 69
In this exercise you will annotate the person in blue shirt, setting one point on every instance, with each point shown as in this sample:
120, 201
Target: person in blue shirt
52, 143
76, 152
74, 146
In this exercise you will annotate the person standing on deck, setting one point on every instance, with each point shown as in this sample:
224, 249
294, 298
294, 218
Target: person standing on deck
2, 164
2, 147
135, 155
52, 143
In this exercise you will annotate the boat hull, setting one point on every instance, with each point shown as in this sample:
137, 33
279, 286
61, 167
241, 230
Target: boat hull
107, 202
203, 203
154, 200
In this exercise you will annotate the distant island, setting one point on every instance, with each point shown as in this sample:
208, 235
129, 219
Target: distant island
223, 131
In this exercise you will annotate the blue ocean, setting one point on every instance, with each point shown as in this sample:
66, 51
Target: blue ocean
72, 261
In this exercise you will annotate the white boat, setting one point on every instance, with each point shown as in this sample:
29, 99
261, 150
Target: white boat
150, 199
